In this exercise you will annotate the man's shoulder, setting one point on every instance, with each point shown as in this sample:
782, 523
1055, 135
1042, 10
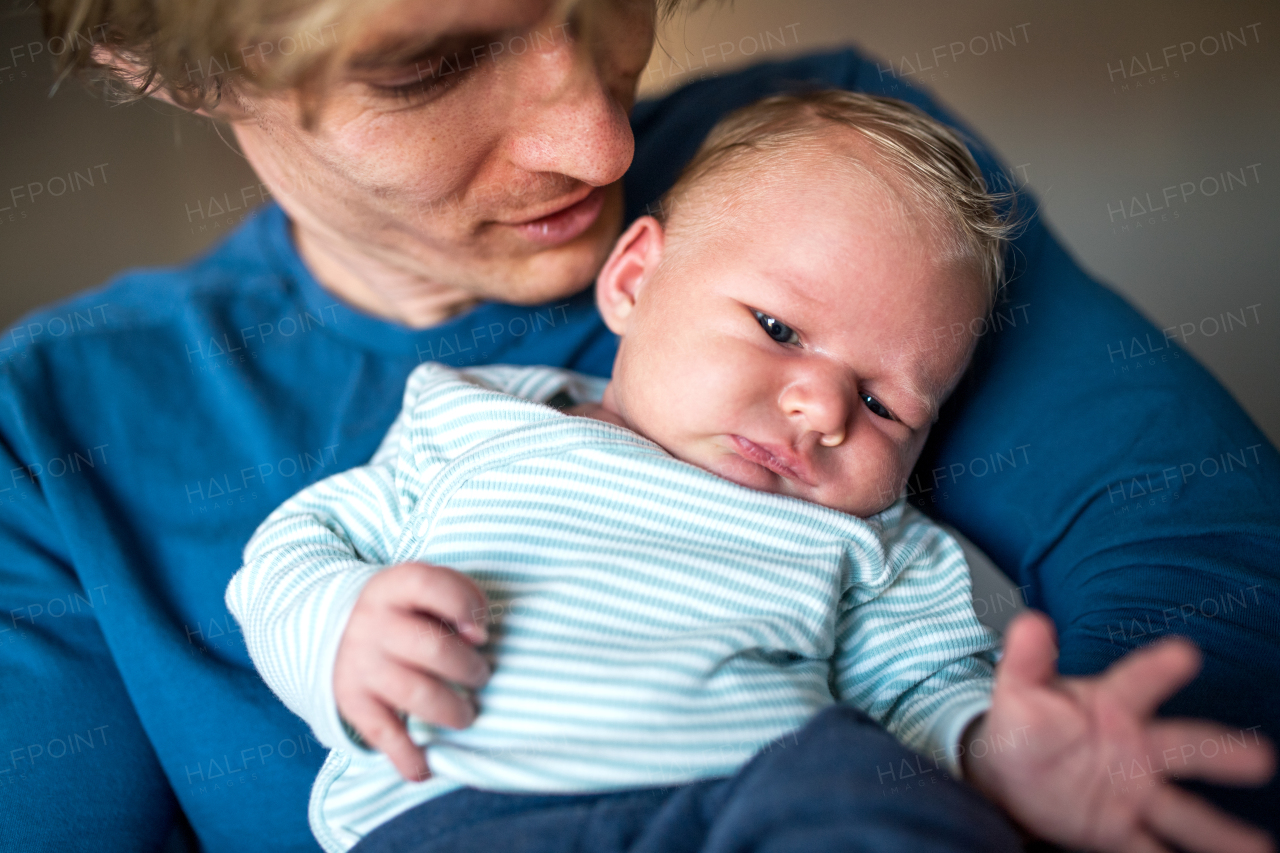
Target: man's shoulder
234, 276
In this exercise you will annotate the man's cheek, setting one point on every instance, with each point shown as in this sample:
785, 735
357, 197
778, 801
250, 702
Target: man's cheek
398, 154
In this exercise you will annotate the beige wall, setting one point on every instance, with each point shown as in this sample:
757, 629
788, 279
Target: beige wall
1061, 99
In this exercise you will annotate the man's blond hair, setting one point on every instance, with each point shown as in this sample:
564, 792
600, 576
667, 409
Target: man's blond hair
932, 164
192, 49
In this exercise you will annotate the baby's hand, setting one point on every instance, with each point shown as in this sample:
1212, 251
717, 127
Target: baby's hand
413, 628
1089, 764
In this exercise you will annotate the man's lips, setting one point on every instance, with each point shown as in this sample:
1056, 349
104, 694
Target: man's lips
564, 223
779, 460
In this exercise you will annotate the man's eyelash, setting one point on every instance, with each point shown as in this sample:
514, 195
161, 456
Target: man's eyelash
418, 90
431, 83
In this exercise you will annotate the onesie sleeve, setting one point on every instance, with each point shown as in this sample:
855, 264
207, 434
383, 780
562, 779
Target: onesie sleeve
538, 384
303, 570
915, 657
307, 564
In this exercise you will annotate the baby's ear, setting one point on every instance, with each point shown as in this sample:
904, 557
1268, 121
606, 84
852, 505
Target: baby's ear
630, 265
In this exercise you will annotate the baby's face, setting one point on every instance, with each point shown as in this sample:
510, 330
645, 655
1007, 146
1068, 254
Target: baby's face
802, 346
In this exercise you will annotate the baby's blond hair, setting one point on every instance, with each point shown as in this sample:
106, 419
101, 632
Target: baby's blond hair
933, 165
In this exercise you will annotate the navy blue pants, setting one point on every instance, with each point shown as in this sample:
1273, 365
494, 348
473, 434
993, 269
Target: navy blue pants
841, 783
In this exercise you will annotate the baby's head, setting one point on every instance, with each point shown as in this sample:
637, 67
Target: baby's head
780, 319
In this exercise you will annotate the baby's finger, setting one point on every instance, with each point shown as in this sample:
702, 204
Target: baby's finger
1030, 651
429, 645
1144, 843
1204, 750
1144, 678
1194, 825
424, 696
382, 729
439, 591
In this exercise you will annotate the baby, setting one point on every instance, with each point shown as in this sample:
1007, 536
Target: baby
671, 571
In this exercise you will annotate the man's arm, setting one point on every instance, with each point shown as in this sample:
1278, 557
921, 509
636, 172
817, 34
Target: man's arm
73, 754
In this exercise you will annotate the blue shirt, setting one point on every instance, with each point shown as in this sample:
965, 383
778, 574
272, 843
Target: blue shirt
148, 427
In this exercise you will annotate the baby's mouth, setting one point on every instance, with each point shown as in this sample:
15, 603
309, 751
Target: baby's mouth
778, 460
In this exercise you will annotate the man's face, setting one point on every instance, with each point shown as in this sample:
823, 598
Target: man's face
794, 348
473, 144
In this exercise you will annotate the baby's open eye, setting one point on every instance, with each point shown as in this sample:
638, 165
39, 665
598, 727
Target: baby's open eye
874, 405
780, 332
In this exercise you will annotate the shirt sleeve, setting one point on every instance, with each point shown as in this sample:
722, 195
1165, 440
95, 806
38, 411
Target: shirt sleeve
307, 564
59, 670
915, 657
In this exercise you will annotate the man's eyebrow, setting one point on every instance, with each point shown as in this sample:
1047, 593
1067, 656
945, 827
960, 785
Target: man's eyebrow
398, 52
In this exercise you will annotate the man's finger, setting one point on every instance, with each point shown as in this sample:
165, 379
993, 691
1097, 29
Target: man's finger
1214, 753
429, 645
442, 592
385, 732
1144, 678
1030, 651
1194, 825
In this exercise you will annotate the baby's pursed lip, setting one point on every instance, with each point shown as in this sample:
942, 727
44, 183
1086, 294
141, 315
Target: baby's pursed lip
780, 460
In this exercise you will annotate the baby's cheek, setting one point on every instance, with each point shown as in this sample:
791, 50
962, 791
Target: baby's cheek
870, 480
890, 484
890, 468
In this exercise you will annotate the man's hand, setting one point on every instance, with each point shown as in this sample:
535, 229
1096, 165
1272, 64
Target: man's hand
413, 629
1089, 763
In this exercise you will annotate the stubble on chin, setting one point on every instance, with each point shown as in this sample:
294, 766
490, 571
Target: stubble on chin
556, 272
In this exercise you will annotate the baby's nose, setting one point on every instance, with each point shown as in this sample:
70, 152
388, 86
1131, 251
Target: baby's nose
834, 439
823, 404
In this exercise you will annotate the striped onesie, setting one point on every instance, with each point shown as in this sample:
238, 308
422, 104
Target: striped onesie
651, 623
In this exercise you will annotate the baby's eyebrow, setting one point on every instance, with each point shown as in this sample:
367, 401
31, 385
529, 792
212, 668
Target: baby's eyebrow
927, 401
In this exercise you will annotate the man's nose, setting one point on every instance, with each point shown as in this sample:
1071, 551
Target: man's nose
820, 401
569, 123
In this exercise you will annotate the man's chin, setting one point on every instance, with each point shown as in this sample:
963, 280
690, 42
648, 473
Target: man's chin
556, 272
553, 273
545, 279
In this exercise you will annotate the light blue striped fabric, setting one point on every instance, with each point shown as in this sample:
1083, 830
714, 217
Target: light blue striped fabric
652, 623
